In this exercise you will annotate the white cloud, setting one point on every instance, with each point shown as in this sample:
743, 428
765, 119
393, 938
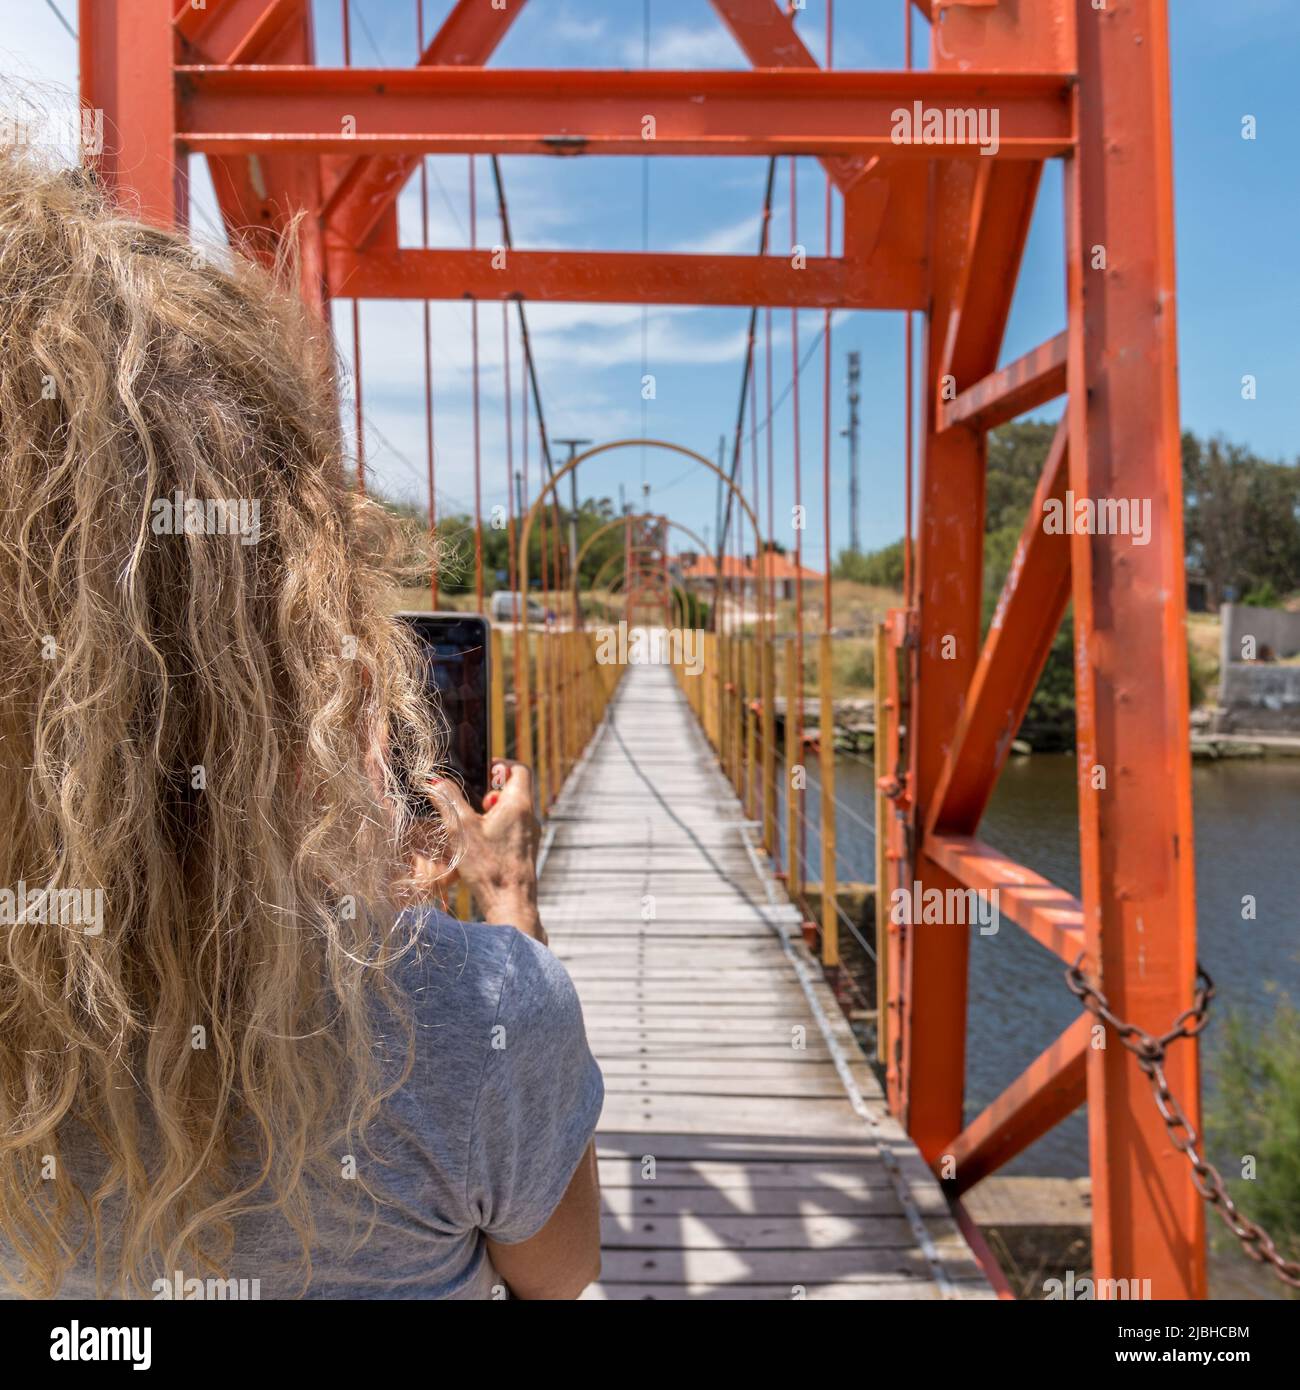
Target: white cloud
685, 46
740, 238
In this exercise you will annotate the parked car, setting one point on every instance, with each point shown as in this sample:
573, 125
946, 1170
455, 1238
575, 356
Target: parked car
505, 608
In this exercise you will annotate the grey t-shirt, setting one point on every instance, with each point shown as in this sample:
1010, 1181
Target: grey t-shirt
481, 1140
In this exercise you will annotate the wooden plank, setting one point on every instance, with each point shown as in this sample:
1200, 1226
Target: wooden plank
783, 1013
688, 1231
741, 1183
732, 1162
735, 1148
656, 1200
791, 1267
881, 1289
692, 1047
723, 1069
748, 1115
812, 1088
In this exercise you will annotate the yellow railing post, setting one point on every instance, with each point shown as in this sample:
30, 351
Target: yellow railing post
768, 696
542, 770
497, 677
714, 692
561, 713
826, 742
525, 685
751, 731
737, 714
879, 755
793, 758
553, 702
722, 700
568, 706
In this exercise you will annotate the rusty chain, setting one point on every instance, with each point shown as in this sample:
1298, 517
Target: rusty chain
1150, 1054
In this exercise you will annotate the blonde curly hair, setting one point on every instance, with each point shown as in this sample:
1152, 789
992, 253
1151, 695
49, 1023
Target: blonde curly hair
194, 723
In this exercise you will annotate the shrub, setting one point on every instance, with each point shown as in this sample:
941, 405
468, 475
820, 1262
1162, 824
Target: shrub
1256, 1115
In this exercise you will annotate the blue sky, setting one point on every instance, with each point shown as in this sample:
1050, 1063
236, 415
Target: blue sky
1237, 206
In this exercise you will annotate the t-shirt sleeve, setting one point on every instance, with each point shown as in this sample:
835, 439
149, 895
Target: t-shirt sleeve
538, 1102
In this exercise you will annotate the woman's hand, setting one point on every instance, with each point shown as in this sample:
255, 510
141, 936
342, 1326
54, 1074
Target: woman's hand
498, 862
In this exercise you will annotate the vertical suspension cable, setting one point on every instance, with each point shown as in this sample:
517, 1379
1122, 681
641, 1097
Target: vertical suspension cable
356, 396
358, 418
758, 571
521, 598
510, 449
478, 454
428, 342
645, 241
428, 434
771, 471
908, 387
826, 365
759, 567
737, 452
826, 661
794, 718
769, 596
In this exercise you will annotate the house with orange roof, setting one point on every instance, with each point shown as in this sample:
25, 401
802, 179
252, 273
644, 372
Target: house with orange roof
744, 575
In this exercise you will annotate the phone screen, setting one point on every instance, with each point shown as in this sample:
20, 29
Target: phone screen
455, 648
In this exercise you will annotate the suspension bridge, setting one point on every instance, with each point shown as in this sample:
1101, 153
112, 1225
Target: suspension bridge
745, 1148
750, 1147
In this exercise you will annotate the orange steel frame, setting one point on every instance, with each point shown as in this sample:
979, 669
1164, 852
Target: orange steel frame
938, 229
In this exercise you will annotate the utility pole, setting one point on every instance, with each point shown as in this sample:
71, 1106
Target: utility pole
855, 376
574, 446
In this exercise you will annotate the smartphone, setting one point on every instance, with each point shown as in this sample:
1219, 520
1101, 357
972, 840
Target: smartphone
456, 649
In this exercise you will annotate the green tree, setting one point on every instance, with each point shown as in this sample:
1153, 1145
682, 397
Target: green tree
1017, 454
883, 568
1256, 1116
1242, 518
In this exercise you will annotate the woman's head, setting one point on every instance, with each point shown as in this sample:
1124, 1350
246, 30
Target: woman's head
197, 664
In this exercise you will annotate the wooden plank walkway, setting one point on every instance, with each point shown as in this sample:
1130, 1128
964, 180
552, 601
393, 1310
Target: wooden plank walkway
745, 1150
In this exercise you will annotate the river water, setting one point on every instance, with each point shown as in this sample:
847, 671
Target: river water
1247, 842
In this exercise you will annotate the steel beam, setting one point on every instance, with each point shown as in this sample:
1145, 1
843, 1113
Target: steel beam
261, 195
949, 585
1052, 1087
368, 188
126, 73
1020, 635
1028, 382
1002, 206
1135, 799
235, 31
483, 110
768, 38
1053, 917
617, 277
980, 213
